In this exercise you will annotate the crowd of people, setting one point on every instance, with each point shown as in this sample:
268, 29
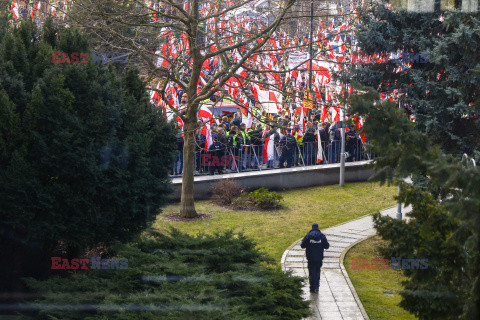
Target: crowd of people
272, 141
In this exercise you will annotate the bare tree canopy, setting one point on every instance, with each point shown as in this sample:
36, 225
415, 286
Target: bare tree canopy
199, 55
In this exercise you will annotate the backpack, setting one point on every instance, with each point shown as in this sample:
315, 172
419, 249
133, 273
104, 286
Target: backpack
291, 142
334, 133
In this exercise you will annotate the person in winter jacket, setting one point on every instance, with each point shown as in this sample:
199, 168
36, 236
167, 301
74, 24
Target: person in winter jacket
314, 243
289, 145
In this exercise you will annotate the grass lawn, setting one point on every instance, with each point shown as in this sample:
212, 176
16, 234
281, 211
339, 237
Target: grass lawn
377, 288
274, 231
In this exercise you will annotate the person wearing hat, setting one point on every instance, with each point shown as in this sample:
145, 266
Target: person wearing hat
314, 243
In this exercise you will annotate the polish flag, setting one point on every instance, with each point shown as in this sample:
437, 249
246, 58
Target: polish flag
204, 113
324, 113
180, 122
242, 72
336, 113
268, 149
171, 95
161, 61
156, 97
319, 148
359, 124
301, 123
15, 10
208, 136
328, 97
247, 119
272, 97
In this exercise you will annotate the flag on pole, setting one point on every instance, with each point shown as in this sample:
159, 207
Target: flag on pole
268, 149
301, 124
208, 136
15, 10
205, 113
319, 148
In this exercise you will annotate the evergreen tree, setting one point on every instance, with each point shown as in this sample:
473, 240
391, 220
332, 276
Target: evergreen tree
84, 156
176, 276
444, 224
442, 93
442, 86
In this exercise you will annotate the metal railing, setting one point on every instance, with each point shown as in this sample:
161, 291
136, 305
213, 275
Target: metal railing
251, 157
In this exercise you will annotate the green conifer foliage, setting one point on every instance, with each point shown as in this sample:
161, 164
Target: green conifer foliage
176, 276
84, 157
443, 95
442, 88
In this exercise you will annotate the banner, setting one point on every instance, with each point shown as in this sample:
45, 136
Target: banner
307, 100
297, 59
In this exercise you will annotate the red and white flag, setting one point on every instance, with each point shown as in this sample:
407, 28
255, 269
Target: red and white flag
301, 124
208, 136
180, 122
204, 113
15, 10
269, 149
319, 148
162, 62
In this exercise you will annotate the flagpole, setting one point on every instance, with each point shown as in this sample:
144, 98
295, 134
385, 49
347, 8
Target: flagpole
342, 152
311, 50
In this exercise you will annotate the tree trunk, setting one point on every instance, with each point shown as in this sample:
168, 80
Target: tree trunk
187, 205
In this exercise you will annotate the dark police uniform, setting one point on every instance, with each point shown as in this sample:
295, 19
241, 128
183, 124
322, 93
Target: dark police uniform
314, 243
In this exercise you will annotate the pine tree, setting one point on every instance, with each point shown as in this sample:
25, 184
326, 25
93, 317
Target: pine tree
442, 93
442, 86
176, 276
84, 158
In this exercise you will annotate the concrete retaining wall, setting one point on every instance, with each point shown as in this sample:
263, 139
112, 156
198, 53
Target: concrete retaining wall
277, 179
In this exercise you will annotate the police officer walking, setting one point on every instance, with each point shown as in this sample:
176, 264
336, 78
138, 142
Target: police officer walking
314, 243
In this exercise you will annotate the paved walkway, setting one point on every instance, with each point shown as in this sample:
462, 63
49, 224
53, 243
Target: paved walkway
337, 299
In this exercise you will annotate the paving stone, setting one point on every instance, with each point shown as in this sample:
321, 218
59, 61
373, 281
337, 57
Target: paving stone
295, 259
347, 305
327, 306
328, 315
349, 315
296, 254
325, 298
294, 264
332, 254
335, 301
344, 297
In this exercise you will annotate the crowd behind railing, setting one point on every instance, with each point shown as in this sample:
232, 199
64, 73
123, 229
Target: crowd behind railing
262, 147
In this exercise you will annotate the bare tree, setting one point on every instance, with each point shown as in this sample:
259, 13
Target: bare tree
205, 49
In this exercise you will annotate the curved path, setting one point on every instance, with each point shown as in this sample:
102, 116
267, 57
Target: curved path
337, 299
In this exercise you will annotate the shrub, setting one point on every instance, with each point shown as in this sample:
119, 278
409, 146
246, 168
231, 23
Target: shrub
84, 157
242, 202
264, 199
259, 199
224, 191
177, 276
